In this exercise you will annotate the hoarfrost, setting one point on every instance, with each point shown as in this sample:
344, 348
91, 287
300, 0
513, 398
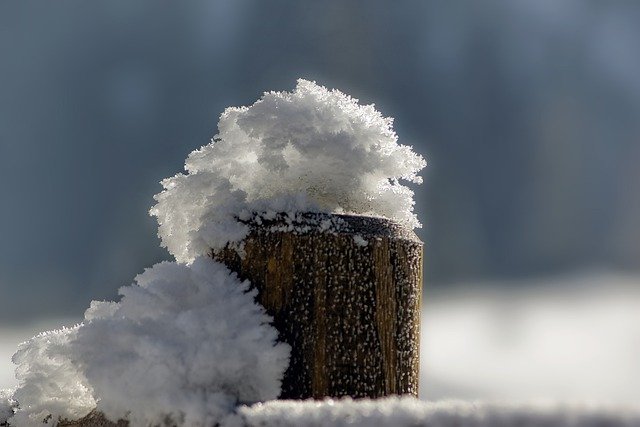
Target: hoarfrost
6, 405
310, 150
186, 344
359, 240
51, 384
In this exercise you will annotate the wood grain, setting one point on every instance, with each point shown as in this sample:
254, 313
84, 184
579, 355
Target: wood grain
349, 311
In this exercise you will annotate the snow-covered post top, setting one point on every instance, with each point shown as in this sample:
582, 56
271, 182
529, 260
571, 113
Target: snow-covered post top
302, 194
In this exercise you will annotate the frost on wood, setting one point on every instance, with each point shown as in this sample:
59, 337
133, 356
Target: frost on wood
310, 150
351, 312
186, 344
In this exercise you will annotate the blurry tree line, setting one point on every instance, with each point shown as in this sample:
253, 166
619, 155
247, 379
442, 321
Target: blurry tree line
526, 111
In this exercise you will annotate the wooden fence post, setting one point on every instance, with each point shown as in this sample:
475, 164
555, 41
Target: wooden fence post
344, 292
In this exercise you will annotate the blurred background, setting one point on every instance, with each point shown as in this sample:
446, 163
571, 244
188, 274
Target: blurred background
528, 113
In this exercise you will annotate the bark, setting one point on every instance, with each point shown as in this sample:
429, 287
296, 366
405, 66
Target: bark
94, 419
350, 311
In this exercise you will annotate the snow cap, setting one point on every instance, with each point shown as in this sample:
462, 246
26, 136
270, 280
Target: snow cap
310, 150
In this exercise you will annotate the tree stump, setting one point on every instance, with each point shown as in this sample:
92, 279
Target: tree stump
344, 292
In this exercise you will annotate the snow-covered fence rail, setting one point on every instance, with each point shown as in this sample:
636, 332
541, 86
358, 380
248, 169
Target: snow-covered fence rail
344, 292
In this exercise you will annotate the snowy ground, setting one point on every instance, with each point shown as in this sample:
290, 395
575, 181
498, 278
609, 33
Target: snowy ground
571, 340
567, 339
409, 412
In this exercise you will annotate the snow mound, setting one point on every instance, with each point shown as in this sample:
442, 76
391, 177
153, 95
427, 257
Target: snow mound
410, 412
310, 150
185, 344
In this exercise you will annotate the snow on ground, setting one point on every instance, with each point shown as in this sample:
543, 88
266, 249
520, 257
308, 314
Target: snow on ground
566, 339
409, 412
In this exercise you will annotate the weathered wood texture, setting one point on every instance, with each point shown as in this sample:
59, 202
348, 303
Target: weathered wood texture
350, 310
94, 419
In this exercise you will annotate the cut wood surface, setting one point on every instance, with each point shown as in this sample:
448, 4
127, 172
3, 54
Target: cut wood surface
344, 292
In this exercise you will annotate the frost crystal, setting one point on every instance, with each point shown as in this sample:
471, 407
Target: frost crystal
186, 344
50, 382
310, 150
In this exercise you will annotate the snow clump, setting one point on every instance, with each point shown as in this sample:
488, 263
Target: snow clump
185, 344
6, 405
310, 150
51, 383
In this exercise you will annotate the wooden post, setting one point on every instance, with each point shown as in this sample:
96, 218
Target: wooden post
94, 419
344, 292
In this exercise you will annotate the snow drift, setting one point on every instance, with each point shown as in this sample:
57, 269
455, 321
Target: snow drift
185, 343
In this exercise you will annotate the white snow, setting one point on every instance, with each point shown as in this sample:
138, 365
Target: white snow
572, 338
565, 339
310, 150
359, 240
186, 343
410, 412
13, 334
50, 383
6, 405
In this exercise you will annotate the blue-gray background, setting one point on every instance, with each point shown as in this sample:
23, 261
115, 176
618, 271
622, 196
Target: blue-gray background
527, 111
